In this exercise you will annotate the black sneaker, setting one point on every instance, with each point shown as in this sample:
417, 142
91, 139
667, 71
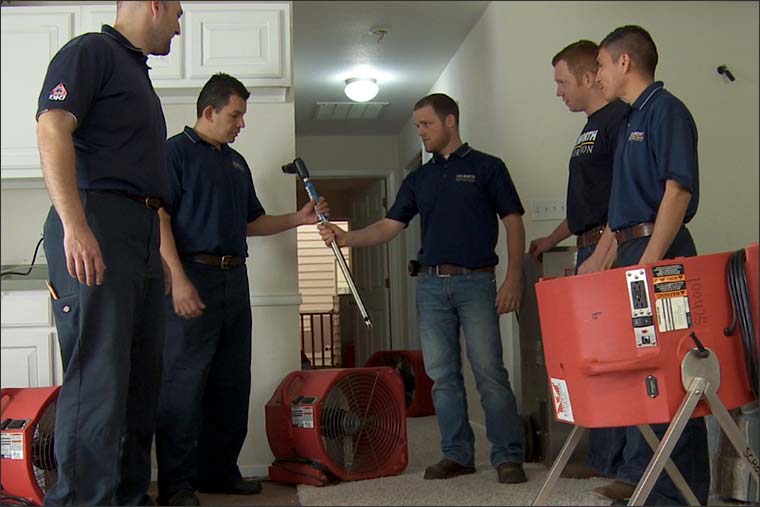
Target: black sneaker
446, 469
511, 473
181, 497
241, 487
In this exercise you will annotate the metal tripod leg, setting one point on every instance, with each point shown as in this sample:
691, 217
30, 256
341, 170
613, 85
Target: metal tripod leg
673, 433
733, 433
670, 467
559, 464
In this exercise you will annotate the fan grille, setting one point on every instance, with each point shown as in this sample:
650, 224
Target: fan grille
361, 423
43, 457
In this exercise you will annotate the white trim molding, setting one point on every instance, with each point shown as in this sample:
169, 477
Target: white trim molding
275, 299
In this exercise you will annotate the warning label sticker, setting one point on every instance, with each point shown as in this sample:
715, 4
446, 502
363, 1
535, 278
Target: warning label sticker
671, 298
562, 407
303, 416
12, 445
673, 313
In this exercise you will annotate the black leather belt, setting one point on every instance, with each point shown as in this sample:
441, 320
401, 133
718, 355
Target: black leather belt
219, 261
153, 203
590, 237
641, 230
451, 270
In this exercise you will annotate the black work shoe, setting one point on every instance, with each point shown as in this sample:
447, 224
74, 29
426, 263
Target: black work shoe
181, 497
511, 473
616, 490
241, 487
446, 469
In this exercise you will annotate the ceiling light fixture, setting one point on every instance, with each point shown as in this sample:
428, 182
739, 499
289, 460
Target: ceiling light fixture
361, 89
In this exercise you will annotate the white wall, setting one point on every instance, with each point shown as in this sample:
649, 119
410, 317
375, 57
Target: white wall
348, 153
502, 78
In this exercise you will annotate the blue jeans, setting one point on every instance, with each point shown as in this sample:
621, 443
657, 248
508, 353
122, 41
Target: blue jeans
605, 445
444, 306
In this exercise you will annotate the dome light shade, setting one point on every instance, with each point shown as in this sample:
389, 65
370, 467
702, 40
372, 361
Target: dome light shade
361, 89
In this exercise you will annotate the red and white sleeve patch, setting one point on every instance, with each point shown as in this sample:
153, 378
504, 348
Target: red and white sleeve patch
58, 93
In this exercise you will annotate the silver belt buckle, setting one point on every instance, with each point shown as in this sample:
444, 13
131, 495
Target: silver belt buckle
225, 259
438, 273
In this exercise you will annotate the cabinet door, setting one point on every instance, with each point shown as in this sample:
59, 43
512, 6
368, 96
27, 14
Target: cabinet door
29, 39
248, 41
26, 357
167, 67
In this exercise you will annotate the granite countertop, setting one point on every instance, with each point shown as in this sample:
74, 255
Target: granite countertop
34, 281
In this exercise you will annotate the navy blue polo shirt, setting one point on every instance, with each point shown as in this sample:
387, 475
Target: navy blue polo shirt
590, 176
120, 137
213, 195
458, 200
658, 143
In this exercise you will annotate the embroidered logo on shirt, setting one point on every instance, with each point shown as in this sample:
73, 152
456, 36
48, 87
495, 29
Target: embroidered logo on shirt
58, 93
585, 143
636, 135
237, 165
466, 178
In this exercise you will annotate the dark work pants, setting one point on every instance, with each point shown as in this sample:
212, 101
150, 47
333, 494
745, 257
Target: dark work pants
206, 385
111, 338
690, 454
605, 445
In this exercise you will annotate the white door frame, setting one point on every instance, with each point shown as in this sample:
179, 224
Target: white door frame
396, 255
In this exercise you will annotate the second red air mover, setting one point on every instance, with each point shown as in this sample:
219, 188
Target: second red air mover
614, 340
339, 424
417, 385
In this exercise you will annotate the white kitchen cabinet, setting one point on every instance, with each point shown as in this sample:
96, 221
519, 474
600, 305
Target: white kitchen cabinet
164, 68
29, 39
248, 40
28, 345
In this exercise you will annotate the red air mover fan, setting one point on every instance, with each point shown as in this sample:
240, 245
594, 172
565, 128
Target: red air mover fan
28, 465
614, 340
417, 385
337, 424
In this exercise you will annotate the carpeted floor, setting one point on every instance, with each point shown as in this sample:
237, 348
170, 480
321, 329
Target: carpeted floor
480, 488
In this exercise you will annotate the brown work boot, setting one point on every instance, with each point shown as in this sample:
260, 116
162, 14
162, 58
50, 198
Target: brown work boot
616, 490
446, 469
579, 471
511, 473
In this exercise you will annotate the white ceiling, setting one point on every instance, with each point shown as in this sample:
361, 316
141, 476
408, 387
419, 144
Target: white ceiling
330, 39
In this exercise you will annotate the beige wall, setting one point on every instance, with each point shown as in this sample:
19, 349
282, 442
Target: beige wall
502, 78
348, 153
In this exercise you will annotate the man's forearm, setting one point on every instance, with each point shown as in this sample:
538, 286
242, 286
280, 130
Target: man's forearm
380, 232
266, 225
58, 162
669, 219
560, 233
515, 244
169, 251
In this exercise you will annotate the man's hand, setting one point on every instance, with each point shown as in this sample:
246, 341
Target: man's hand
539, 246
509, 296
83, 257
309, 214
331, 232
187, 302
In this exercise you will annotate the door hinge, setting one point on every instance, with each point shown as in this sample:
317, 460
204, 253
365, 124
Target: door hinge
387, 283
385, 204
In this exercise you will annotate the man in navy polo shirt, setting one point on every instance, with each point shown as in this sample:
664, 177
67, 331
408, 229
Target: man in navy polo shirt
101, 134
459, 193
588, 197
655, 192
206, 381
